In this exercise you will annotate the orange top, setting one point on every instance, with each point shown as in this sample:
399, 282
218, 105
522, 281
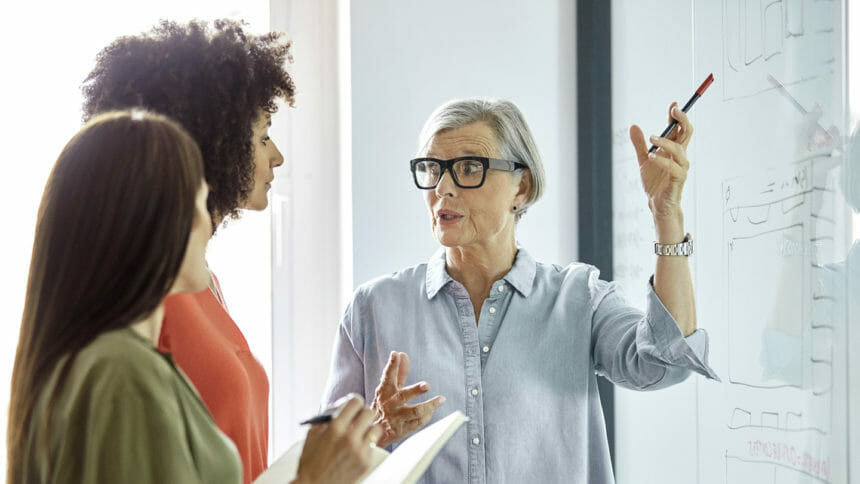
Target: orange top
208, 346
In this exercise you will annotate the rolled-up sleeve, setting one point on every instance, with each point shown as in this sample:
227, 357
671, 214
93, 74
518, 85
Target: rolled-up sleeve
642, 351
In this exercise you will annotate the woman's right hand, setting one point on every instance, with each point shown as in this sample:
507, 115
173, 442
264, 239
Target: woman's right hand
391, 402
339, 450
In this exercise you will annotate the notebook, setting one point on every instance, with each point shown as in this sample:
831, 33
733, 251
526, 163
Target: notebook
405, 465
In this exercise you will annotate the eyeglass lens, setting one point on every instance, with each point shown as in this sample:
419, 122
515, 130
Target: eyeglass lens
467, 173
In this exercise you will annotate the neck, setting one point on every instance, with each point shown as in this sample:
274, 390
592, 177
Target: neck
150, 326
216, 222
478, 267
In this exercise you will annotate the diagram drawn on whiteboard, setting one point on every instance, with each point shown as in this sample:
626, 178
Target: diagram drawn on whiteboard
786, 38
778, 228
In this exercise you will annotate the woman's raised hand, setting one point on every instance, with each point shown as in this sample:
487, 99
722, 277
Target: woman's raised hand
664, 172
339, 450
393, 412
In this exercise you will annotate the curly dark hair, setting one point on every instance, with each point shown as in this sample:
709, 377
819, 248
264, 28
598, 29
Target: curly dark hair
212, 80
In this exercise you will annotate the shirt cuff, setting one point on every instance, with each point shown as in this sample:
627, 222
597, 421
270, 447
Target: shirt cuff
690, 352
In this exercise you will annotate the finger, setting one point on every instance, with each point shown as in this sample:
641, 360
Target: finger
362, 420
403, 370
388, 384
684, 131
315, 430
373, 434
406, 394
424, 411
667, 165
335, 408
671, 150
347, 413
422, 418
637, 137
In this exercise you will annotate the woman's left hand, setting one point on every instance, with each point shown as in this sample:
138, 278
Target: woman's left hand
665, 171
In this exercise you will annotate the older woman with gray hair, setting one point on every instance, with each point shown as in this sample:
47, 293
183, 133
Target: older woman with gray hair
515, 343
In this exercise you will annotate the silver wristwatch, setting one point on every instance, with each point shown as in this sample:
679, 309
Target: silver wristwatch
685, 247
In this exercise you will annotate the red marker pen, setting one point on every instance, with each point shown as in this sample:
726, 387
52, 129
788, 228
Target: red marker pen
696, 96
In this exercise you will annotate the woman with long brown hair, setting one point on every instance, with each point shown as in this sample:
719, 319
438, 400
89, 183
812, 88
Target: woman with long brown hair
122, 223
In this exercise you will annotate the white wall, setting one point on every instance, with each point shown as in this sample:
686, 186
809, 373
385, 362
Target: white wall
311, 270
408, 58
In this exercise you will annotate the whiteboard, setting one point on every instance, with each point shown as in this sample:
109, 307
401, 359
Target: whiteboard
772, 232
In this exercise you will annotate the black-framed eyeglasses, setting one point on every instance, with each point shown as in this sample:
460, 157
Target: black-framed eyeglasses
466, 171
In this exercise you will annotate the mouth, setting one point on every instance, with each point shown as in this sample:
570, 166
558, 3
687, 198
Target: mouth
446, 217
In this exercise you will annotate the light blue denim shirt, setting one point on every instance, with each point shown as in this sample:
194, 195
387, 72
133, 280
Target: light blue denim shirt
525, 374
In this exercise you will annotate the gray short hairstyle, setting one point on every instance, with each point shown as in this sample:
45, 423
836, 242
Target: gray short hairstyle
505, 119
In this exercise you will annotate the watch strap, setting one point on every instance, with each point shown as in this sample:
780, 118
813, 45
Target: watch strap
685, 247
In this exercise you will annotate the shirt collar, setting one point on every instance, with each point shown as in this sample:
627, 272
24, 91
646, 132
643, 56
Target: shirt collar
521, 276
437, 276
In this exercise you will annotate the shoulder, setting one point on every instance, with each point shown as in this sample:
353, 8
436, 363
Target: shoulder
402, 283
575, 273
117, 362
385, 297
576, 281
188, 317
190, 305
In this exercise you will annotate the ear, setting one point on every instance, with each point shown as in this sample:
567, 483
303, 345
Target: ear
524, 191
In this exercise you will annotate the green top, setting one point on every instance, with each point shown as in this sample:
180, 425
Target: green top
127, 414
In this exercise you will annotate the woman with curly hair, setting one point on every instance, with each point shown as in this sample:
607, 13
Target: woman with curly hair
221, 83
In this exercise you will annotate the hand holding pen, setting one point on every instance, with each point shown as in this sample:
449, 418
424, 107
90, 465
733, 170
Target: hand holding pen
338, 448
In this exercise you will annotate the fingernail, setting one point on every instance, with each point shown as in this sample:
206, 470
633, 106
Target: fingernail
424, 386
442, 400
653, 138
652, 156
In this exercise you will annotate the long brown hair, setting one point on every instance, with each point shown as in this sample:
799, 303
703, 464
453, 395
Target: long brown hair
111, 233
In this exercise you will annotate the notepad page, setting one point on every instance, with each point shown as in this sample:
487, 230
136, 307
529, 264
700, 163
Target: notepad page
409, 461
287, 466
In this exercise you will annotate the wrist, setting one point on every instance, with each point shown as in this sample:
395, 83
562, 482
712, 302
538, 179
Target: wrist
669, 229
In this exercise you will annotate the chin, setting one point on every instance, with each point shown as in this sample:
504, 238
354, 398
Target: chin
447, 240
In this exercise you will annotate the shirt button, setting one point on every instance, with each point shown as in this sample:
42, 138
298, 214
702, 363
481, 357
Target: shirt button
492, 310
476, 441
501, 288
486, 349
474, 391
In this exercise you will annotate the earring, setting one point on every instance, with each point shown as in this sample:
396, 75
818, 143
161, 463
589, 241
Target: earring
515, 208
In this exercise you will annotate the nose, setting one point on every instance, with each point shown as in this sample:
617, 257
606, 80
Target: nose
277, 159
446, 186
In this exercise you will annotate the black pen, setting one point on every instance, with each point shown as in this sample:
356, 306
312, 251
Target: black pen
696, 96
322, 418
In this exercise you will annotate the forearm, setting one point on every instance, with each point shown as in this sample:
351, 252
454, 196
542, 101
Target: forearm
672, 280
